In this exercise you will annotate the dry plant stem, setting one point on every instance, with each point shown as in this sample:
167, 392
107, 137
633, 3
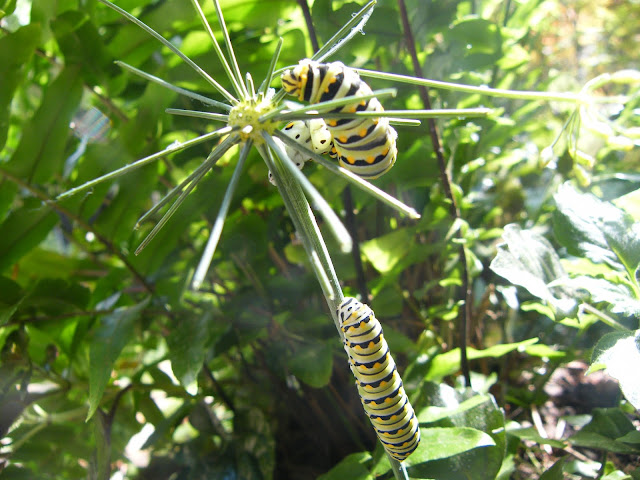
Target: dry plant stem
88, 228
446, 184
309, 21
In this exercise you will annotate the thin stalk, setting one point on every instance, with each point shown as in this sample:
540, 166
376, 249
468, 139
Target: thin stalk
352, 178
306, 226
492, 92
165, 84
346, 33
216, 154
280, 114
173, 48
216, 231
144, 161
235, 81
250, 86
435, 113
227, 41
264, 87
198, 114
338, 230
197, 173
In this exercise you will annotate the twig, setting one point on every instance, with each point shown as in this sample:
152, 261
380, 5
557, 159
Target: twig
446, 184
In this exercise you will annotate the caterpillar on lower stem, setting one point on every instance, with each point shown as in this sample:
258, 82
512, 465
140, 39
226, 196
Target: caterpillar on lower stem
379, 384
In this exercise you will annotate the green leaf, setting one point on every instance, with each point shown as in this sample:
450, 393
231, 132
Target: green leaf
112, 334
81, 45
312, 364
448, 363
16, 50
23, 230
616, 352
437, 443
386, 251
532, 434
41, 150
188, 344
604, 430
555, 472
619, 296
478, 423
600, 230
528, 260
351, 467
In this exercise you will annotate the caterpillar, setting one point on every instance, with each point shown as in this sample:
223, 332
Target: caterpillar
365, 146
377, 379
312, 132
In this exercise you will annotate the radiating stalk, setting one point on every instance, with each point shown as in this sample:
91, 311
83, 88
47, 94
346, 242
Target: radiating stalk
346, 33
227, 41
308, 114
306, 226
250, 86
216, 231
203, 167
165, 84
198, 114
173, 48
215, 155
351, 178
492, 92
280, 114
338, 230
235, 81
264, 87
174, 147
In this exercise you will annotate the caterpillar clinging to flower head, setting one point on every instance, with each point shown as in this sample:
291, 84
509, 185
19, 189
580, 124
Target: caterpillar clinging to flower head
366, 146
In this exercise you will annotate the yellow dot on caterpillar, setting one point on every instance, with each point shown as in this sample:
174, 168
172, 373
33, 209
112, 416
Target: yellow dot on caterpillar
370, 160
342, 139
363, 132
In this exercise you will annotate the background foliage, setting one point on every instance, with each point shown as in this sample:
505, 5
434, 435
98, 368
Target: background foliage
246, 378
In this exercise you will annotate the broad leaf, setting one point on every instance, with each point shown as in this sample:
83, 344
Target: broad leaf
604, 430
40, 153
351, 467
113, 333
312, 364
527, 259
616, 352
23, 229
16, 50
188, 343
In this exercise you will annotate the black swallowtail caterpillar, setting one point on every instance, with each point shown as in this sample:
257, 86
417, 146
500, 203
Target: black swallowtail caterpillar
312, 132
379, 384
365, 146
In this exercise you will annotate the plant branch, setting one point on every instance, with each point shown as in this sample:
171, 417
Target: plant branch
454, 211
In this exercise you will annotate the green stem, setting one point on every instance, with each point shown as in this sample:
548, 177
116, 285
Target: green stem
492, 92
603, 317
306, 226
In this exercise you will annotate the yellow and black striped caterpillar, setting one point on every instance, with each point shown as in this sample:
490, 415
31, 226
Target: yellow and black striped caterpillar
312, 134
366, 146
379, 384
